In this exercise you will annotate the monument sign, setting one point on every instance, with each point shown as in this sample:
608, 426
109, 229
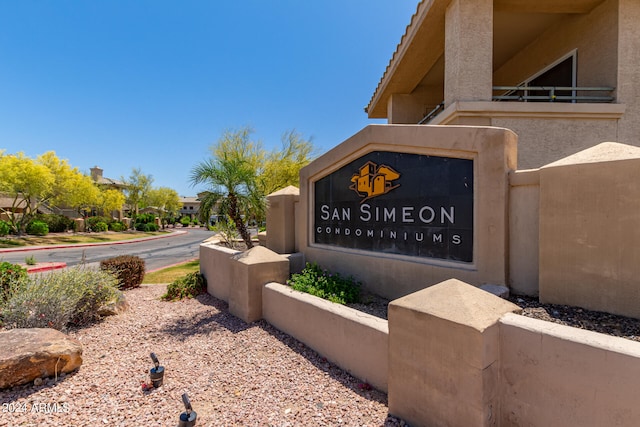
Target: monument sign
398, 203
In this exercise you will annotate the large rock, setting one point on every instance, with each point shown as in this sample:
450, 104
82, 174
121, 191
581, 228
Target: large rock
27, 354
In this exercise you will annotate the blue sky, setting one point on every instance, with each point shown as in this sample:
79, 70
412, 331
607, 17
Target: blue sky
152, 84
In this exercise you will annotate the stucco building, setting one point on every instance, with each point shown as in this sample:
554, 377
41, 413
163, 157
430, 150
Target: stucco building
190, 206
563, 74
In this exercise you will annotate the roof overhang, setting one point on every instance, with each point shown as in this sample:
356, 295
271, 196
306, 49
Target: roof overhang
423, 43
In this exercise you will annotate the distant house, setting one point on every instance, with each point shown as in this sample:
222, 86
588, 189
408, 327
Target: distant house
563, 74
104, 182
7, 205
108, 183
190, 207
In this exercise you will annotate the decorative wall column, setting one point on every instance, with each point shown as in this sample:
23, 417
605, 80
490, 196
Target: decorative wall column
468, 51
628, 91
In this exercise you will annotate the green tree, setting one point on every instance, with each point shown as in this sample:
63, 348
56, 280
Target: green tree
166, 202
137, 188
241, 173
232, 185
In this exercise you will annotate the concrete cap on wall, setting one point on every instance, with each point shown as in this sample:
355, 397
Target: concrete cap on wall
258, 255
458, 302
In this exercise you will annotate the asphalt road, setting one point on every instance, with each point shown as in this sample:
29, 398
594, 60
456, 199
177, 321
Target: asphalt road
157, 253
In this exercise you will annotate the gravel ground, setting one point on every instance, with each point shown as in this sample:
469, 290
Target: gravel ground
234, 373
605, 323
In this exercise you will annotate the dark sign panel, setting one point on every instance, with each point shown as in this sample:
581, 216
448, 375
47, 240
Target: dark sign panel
398, 203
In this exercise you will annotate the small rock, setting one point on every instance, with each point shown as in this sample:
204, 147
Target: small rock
116, 306
37, 382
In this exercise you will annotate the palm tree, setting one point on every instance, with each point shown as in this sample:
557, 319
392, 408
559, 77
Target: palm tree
232, 190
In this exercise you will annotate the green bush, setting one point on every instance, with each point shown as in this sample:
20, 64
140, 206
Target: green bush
148, 227
93, 223
37, 228
56, 223
331, 286
117, 226
128, 269
185, 221
4, 228
100, 227
12, 278
189, 286
59, 299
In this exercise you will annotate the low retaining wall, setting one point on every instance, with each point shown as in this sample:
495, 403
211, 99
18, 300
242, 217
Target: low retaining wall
556, 375
353, 340
483, 367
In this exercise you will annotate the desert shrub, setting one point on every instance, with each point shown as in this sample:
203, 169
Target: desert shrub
59, 299
56, 223
185, 221
93, 223
148, 227
37, 228
227, 231
321, 283
100, 227
4, 228
12, 278
117, 226
128, 269
189, 286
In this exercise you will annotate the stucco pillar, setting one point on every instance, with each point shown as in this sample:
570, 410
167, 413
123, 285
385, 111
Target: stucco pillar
250, 271
468, 51
281, 220
444, 348
628, 90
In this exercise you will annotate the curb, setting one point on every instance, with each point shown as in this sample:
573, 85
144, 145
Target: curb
46, 266
172, 265
81, 245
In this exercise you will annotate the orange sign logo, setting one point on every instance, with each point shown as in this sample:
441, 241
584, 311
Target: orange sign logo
373, 180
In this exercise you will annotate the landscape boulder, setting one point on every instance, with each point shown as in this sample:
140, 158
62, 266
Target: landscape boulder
30, 353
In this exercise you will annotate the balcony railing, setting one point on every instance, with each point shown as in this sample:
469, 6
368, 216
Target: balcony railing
553, 94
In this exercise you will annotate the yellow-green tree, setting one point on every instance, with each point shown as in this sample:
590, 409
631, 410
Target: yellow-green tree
137, 188
281, 168
111, 200
166, 202
46, 181
241, 173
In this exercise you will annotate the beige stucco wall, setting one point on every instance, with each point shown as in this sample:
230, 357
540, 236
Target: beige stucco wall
594, 35
542, 141
215, 266
524, 200
555, 375
281, 235
444, 355
250, 271
589, 233
628, 90
355, 341
468, 51
493, 152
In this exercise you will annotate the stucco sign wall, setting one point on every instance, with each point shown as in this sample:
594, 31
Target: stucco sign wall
398, 203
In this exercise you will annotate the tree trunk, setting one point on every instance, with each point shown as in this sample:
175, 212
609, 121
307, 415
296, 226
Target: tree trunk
235, 216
